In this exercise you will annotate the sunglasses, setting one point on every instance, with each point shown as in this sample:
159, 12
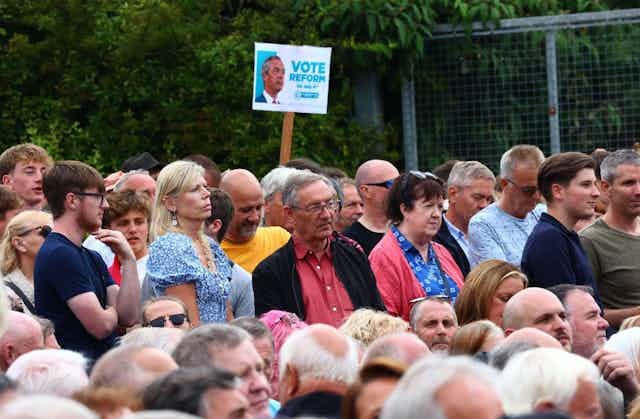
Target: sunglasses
42, 231
527, 190
175, 319
386, 184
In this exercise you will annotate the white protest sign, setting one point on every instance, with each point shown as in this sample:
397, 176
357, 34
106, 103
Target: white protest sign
290, 78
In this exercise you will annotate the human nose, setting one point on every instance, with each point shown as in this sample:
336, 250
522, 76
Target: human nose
604, 324
168, 323
259, 383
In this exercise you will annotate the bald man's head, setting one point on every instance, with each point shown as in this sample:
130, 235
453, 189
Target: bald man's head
403, 347
540, 309
374, 171
373, 179
248, 202
534, 337
23, 335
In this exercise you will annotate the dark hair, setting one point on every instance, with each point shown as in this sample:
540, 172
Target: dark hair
183, 389
407, 189
443, 170
120, 203
598, 155
221, 209
561, 169
562, 290
210, 168
303, 163
68, 176
9, 200
334, 173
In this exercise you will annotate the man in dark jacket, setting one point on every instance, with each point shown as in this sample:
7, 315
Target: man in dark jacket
318, 275
469, 190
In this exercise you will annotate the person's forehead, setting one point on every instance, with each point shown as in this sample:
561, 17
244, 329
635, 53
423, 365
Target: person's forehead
165, 306
131, 214
436, 309
315, 191
580, 301
21, 164
235, 359
625, 171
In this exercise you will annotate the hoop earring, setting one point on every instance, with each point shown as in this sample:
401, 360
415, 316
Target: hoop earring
174, 219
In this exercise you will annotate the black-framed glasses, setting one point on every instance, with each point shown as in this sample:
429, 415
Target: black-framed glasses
42, 230
526, 190
386, 184
331, 205
93, 194
175, 319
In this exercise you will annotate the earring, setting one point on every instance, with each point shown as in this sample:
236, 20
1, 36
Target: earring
174, 219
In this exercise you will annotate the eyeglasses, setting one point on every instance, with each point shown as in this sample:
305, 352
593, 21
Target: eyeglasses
386, 184
527, 190
175, 319
94, 194
331, 205
43, 230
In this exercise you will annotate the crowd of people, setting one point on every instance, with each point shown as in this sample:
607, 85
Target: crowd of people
178, 291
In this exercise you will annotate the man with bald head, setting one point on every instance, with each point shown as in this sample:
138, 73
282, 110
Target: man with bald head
373, 180
137, 180
317, 364
245, 242
23, 335
403, 347
540, 309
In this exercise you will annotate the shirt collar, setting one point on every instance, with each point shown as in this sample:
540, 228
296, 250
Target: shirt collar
268, 97
301, 250
453, 229
405, 244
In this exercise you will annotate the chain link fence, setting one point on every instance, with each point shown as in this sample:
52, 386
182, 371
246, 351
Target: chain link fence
561, 82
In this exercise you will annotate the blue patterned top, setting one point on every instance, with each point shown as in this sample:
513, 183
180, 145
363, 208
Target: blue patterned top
173, 261
432, 278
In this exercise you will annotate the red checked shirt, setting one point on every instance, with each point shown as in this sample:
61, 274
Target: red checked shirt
325, 298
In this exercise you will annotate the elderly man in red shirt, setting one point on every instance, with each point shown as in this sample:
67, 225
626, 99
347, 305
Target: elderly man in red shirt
318, 275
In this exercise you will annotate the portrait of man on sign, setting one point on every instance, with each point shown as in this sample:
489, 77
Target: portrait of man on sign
273, 80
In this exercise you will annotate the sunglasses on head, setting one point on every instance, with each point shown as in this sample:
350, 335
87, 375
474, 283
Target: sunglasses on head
175, 319
386, 184
42, 230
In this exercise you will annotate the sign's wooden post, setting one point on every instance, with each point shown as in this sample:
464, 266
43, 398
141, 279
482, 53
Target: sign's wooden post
287, 135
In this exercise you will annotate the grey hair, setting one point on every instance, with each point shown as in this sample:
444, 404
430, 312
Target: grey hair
198, 347
465, 172
313, 361
414, 315
299, 180
519, 154
43, 406
611, 400
274, 181
266, 64
184, 389
415, 394
609, 166
551, 374
253, 326
164, 338
502, 353
53, 371
123, 179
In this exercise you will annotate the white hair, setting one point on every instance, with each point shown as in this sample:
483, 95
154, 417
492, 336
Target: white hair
415, 394
313, 361
42, 406
627, 342
543, 374
161, 414
465, 172
164, 338
275, 180
53, 371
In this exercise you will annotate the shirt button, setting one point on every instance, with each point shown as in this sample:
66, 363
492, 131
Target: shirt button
334, 309
328, 288
318, 267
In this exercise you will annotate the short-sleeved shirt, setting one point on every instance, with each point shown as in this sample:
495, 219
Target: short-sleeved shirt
173, 261
263, 244
428, 273
64, 270
366, 238
494, 234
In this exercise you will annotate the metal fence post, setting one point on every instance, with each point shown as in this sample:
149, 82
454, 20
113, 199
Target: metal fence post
409, 135
552, 90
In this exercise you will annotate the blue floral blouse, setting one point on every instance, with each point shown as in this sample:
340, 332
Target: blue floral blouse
429, 274
173, 261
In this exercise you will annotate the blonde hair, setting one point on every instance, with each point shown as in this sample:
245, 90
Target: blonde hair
475, 297
629, 322
173, 180
366, 325
470, 338
18, 225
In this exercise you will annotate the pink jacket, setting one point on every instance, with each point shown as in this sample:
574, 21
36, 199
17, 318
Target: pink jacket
395, 279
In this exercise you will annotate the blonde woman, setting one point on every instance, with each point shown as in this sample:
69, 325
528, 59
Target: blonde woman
21, 242
487, 289
183, 262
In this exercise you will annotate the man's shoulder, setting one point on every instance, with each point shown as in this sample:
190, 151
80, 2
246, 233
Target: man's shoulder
486, 215
596, 230
56, 248
273, 233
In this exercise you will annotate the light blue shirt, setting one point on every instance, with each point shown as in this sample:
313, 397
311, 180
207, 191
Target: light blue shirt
460, 237
494, 234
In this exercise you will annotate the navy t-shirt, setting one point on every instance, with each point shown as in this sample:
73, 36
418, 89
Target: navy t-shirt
62, 271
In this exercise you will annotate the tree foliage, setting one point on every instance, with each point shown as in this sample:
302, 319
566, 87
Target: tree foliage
102, 80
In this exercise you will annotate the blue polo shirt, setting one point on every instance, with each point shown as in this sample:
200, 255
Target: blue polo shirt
553, 255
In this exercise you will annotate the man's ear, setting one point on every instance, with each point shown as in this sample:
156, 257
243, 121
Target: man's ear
544, 406
508, 331
6, 179
452, 194
292, 380
288, 215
